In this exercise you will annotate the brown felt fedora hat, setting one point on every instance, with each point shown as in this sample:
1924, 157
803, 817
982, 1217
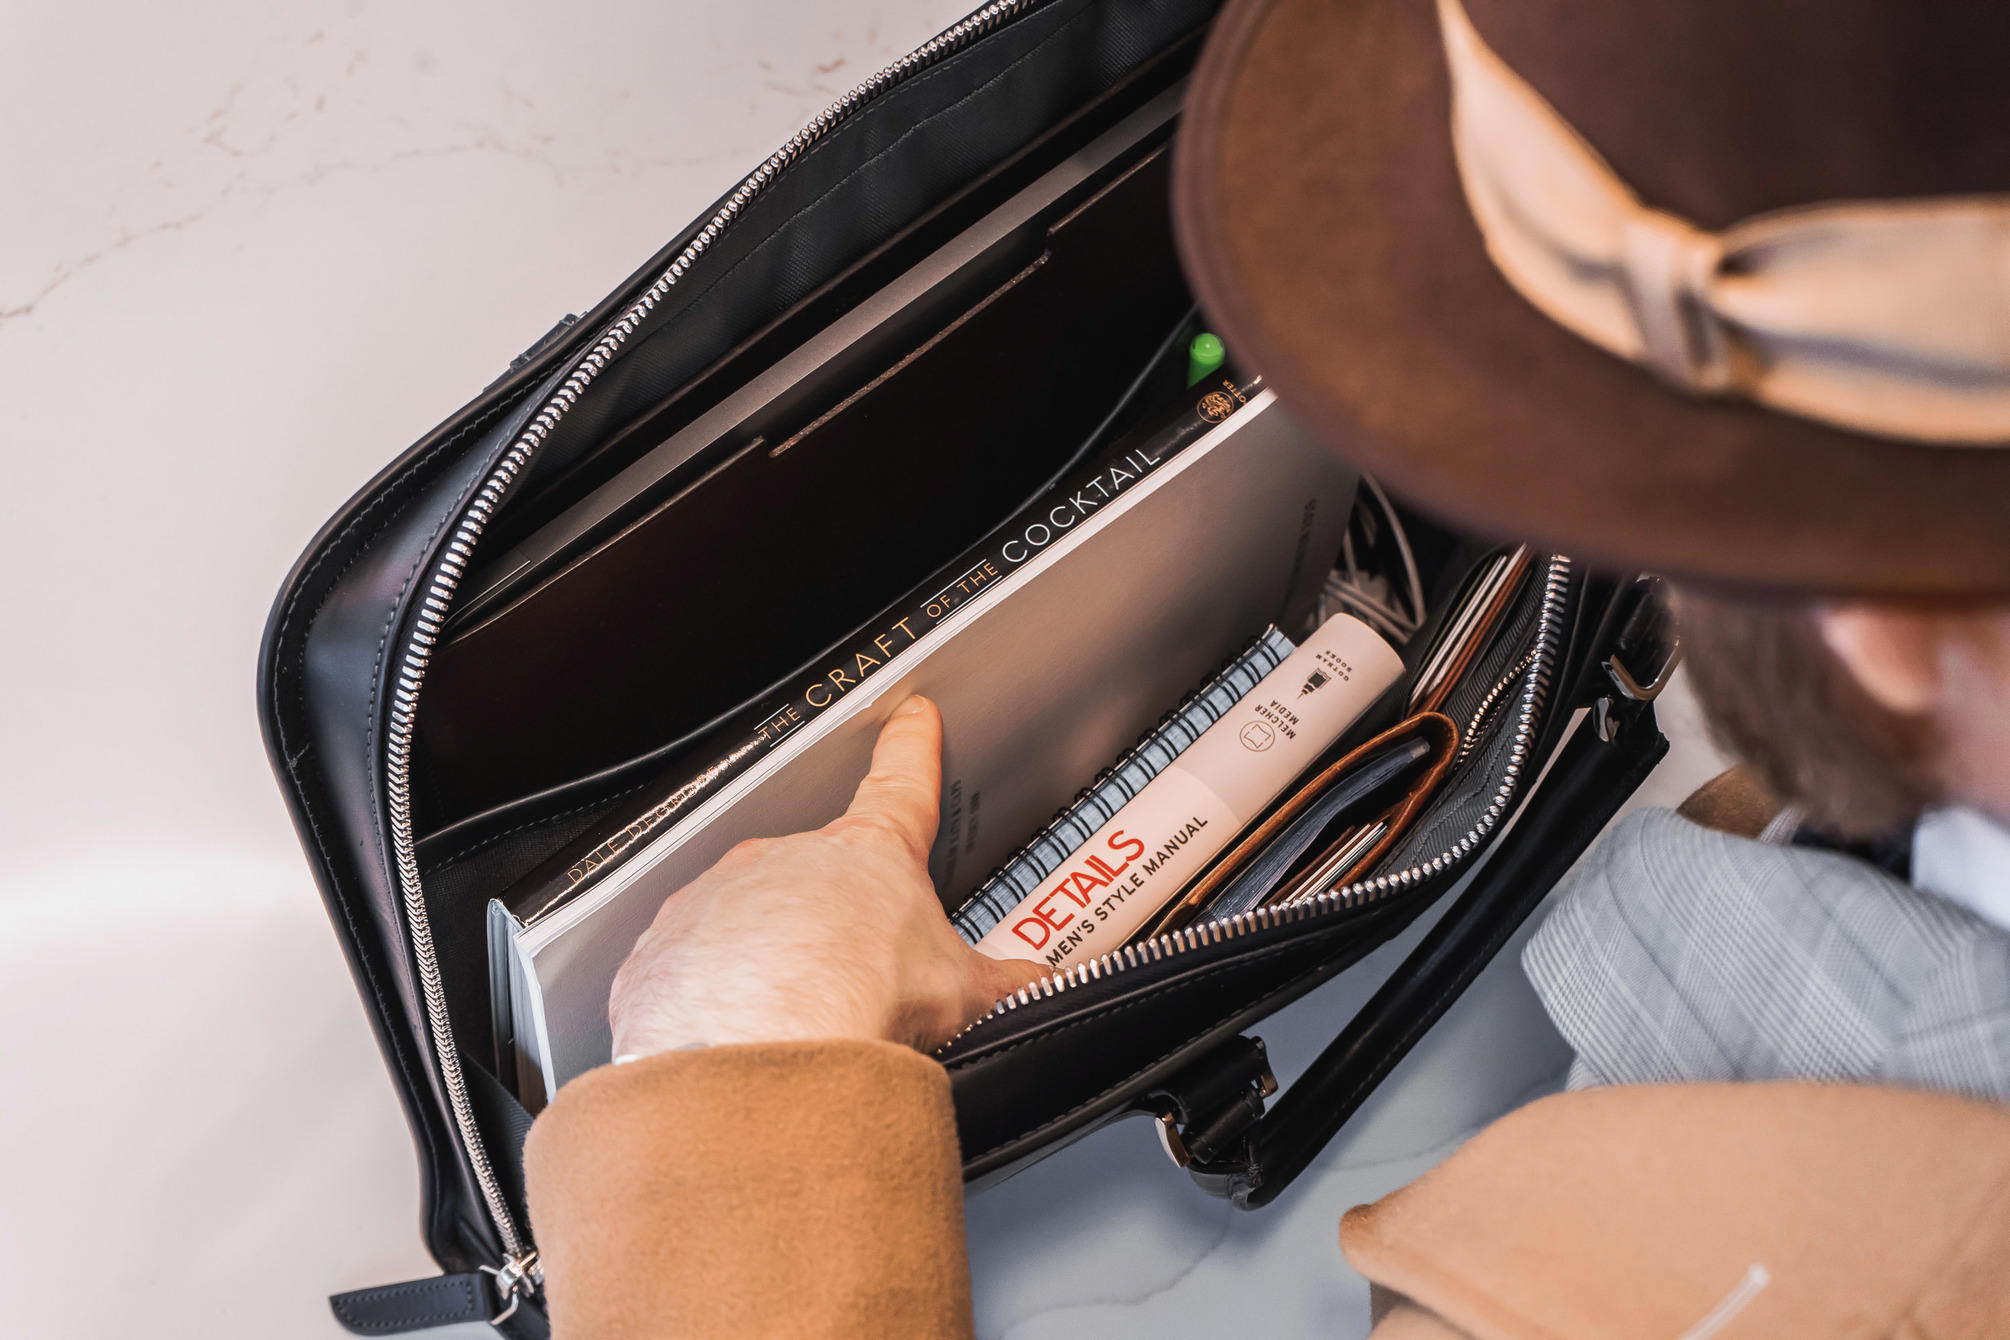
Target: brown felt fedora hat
1324, 223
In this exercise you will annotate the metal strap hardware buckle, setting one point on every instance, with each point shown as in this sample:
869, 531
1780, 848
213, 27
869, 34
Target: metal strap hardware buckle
1211, 1105
1646, 642
517, 1278
1643, 658
1630, 686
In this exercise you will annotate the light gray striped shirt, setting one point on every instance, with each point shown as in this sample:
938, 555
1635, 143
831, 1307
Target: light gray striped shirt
1678, 953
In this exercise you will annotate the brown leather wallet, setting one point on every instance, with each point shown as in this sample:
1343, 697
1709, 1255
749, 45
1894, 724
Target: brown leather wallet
1440, 734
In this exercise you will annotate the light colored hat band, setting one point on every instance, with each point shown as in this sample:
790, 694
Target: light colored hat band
1884, 317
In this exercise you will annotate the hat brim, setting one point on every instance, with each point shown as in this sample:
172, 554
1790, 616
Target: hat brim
1323, 225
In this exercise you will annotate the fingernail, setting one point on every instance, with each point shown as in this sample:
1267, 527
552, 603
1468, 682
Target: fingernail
915, 703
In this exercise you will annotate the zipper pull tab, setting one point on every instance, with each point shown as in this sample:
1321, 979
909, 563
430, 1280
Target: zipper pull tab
517, 1278
449, 1300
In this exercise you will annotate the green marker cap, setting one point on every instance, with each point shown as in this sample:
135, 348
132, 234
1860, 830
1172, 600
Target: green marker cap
1203, 356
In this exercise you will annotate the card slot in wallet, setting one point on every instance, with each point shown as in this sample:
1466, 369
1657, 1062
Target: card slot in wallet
1488, 596
1356, 851
1386, 780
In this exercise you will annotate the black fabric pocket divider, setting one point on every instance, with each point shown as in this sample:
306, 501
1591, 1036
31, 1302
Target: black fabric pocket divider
788, 544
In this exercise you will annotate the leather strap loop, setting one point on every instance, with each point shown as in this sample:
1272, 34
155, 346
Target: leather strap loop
443, 1300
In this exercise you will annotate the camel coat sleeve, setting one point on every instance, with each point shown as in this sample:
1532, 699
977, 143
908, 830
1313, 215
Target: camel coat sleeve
813, 1189
1718, 1210
780, 1189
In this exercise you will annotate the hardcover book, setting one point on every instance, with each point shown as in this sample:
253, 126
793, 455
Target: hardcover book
1101, 615
1093, 484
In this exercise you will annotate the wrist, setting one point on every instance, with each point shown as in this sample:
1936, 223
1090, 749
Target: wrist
624, 1058
673, 1030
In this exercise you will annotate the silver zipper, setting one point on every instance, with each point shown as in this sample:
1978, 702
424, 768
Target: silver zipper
1485, 710
519, 1275
1535, 682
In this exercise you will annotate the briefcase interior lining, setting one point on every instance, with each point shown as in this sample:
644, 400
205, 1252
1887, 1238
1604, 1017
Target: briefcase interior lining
583, 655
623, 656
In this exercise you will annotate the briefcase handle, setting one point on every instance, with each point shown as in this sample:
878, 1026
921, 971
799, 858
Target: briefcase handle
1250, 1159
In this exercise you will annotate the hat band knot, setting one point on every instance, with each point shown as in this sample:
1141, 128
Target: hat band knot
1665, 268
1888, 317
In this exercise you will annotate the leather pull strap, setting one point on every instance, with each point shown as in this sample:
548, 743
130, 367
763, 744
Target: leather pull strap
444, 1300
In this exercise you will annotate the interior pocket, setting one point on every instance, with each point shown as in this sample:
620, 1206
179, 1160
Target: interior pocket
801, 535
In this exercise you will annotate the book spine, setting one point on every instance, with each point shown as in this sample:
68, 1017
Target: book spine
1141, 859
1109, 474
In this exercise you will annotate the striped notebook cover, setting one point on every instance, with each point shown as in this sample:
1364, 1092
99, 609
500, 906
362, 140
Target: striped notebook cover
1055, 843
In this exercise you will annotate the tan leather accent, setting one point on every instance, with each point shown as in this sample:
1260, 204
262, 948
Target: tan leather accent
1422, 791
1731, 802
1728, 1210
1444, 746
784, 1189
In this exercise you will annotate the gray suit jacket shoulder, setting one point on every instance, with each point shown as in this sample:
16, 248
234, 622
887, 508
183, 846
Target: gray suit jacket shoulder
1677, 953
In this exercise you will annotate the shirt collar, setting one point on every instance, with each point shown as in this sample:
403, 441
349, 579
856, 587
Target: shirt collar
1963, 855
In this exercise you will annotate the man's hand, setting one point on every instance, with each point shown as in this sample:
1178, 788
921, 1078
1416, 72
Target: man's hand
749, 951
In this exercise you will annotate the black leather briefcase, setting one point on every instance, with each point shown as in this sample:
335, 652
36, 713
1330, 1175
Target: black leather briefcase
372, 751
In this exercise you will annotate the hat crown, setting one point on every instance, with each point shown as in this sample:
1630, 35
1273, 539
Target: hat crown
1721, 110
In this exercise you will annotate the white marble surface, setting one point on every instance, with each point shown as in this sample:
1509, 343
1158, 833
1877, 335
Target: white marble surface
247, 253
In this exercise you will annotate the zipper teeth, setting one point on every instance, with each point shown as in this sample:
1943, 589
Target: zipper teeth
1486, 707
1535, 683
453, 564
